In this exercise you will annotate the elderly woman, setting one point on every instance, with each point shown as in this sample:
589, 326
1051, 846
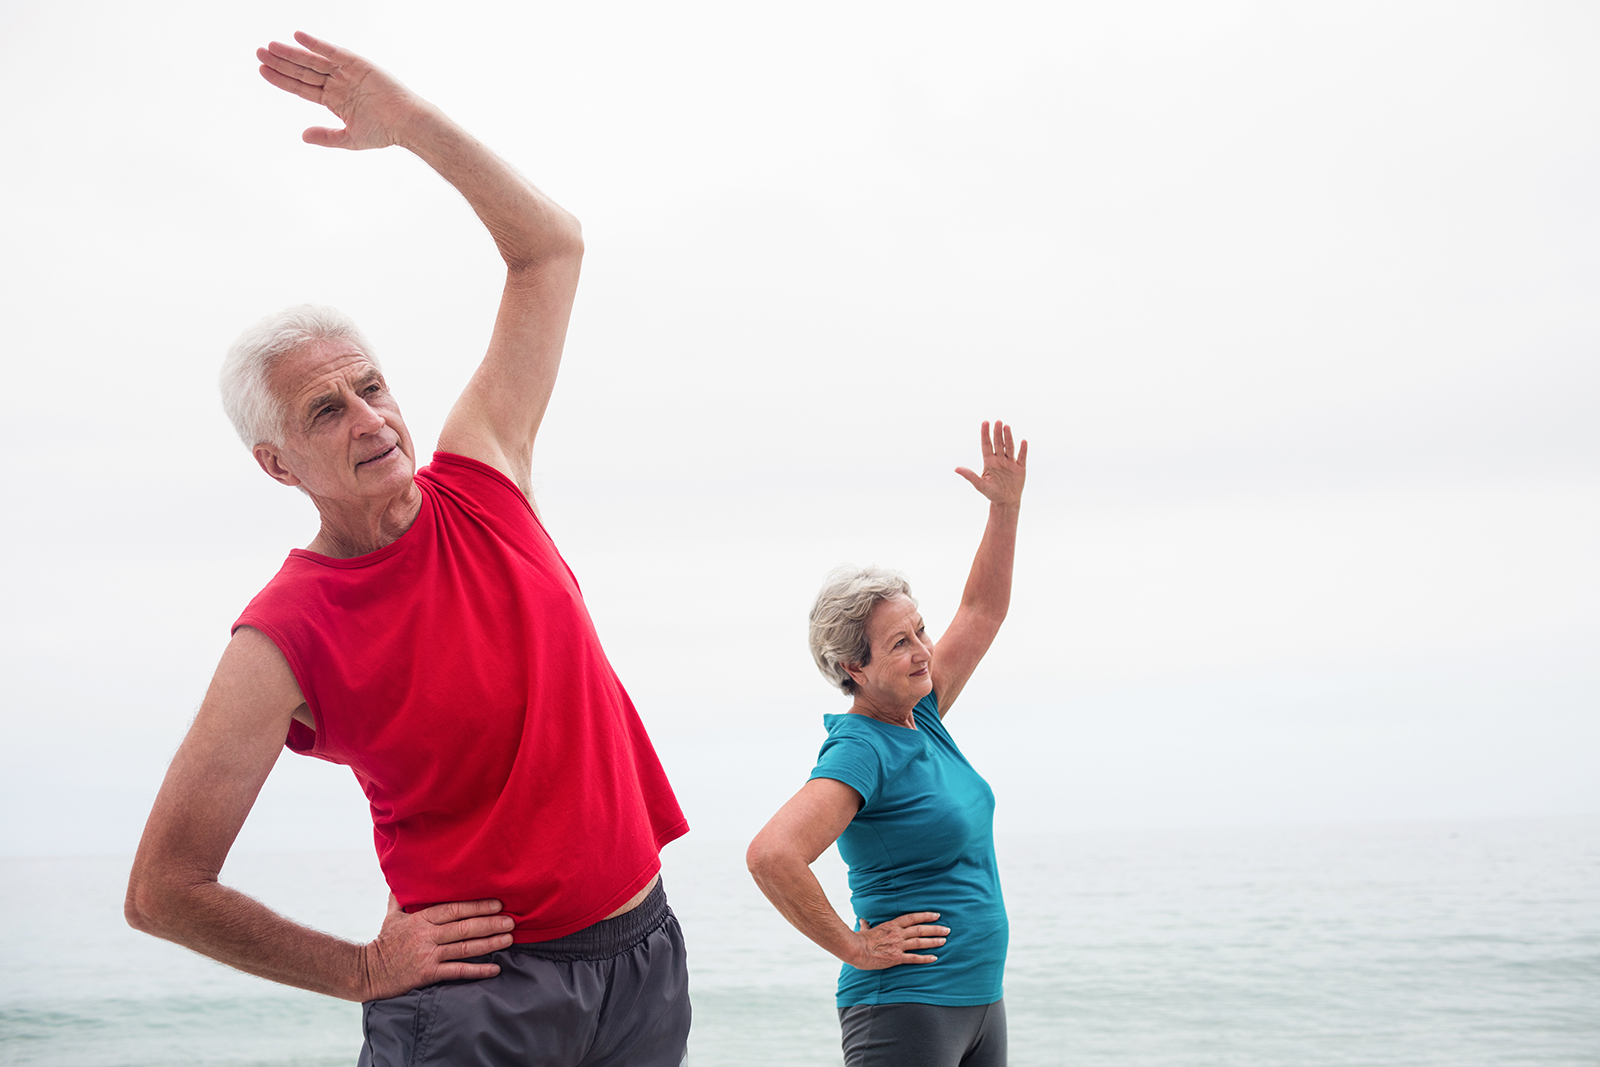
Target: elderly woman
921, 981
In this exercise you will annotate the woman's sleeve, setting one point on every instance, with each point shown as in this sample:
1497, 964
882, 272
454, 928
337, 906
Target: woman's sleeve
852, 761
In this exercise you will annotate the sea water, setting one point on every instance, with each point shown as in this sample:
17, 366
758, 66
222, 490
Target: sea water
1464, 944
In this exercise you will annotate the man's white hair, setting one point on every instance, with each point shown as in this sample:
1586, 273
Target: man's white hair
257, 413
839, 618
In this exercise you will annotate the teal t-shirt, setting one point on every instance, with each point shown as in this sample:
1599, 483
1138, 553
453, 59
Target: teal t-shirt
922, 841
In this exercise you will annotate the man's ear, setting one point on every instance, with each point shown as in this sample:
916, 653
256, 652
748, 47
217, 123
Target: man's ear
271, 461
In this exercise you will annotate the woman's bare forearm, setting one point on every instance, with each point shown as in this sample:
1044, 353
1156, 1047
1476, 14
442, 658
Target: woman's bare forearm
787, 880
988, 589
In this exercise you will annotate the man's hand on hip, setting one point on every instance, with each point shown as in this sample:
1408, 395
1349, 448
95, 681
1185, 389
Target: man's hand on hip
427, 946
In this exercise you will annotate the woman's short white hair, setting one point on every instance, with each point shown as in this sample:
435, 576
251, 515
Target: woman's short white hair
839, 618
255, 411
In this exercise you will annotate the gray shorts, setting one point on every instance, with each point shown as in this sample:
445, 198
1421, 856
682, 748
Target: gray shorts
924, 1035
611, 994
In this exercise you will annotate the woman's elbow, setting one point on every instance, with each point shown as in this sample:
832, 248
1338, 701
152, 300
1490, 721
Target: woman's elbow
765, 857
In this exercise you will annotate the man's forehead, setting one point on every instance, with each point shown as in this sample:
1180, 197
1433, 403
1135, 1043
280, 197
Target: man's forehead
315, 367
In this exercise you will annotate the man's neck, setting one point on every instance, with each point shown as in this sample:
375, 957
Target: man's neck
350, 530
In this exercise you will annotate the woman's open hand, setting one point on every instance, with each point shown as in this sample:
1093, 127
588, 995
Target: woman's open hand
892, 943
1005, 467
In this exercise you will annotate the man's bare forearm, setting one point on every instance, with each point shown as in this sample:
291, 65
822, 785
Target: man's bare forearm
232, 928
528, 227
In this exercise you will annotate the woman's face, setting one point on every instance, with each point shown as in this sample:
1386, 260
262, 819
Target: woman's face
900, 671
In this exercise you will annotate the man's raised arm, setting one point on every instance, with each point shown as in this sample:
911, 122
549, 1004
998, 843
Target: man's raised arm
498, 414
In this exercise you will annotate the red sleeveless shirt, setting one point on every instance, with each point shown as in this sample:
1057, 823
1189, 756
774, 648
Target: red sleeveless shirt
456, 671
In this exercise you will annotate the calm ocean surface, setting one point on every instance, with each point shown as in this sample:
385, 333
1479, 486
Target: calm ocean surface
1462, 944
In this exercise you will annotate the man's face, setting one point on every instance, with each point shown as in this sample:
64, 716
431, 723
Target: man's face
343, 437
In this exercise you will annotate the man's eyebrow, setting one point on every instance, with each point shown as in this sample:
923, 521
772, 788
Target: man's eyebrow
314, 404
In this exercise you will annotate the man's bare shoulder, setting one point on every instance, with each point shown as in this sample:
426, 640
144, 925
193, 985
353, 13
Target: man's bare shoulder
254, 684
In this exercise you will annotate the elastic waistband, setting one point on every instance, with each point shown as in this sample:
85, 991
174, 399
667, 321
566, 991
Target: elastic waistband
608, 937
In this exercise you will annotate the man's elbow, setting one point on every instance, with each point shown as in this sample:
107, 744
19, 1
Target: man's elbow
149, 906
138, 907
558, 246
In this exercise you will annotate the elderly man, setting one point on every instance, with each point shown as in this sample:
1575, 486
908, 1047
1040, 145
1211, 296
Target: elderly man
431, 638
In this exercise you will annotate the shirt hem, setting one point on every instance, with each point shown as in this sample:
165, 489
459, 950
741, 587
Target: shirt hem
925, 998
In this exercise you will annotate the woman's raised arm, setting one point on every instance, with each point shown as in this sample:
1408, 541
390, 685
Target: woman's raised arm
987, 596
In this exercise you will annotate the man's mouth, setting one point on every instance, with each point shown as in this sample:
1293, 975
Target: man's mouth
379, 456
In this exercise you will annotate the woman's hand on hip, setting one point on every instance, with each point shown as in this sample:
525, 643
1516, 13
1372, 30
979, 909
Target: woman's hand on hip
897, 941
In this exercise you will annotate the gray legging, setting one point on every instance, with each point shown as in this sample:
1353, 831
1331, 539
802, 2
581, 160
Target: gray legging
924, 1035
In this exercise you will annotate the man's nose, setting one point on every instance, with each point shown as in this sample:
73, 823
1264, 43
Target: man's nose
367, 420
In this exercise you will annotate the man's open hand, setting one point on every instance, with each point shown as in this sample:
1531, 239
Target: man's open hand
374, 107
427, 946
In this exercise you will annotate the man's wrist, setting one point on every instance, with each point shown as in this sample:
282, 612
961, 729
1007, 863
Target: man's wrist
425, 130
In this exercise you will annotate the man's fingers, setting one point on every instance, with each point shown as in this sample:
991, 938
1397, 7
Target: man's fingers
333, 52
456, 910
326, 137
988, 448
484, 926
454, 972
294, 62
917, 918
299, 88
920, 959
1022, 454
478, 946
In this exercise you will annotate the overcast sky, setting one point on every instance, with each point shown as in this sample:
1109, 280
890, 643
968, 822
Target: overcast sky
1296, 305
